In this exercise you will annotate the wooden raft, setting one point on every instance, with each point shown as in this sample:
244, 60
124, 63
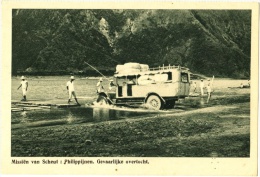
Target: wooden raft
18, 106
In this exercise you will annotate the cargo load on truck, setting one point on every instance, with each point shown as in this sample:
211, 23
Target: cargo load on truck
130, 68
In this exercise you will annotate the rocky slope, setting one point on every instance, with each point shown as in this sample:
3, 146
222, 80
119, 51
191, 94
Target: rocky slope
59, 41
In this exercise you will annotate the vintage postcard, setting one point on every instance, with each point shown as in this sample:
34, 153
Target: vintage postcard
129, 88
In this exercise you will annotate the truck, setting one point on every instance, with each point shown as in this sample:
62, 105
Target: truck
157, 88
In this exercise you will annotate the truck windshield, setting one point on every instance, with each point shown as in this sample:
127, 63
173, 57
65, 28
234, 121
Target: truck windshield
184, 77
126, 80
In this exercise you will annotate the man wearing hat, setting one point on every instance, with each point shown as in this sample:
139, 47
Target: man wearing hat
100, 87
111, 84
24, 85
70, 88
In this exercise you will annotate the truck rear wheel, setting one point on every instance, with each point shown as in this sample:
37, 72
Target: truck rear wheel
154, 102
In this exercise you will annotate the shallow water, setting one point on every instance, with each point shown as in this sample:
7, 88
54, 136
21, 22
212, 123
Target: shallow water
57, 116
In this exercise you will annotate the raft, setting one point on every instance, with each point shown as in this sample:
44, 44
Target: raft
18, 106
66, 105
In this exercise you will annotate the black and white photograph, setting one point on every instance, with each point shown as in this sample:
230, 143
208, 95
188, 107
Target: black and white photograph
114, 86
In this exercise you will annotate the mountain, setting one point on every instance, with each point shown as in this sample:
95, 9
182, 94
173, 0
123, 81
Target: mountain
209, 42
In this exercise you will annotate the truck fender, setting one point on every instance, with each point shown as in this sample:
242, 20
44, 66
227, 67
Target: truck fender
153, 93
102, 94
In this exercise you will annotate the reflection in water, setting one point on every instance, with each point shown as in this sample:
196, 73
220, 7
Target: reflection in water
202, 101
103, 114
24, 118
100, 114
71, 116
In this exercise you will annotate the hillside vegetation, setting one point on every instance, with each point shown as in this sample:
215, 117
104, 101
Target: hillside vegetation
59, 41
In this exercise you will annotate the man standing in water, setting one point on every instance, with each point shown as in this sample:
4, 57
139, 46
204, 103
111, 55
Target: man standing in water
70, 88
24, 85
201, 87
209, 92
100, 87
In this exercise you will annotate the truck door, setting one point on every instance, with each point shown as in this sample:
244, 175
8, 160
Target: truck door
185, 85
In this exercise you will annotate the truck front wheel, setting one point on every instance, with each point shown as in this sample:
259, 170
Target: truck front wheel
102, 100
154, 102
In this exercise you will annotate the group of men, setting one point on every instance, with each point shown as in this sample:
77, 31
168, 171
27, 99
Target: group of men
100, 87
70, 88
202, 86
